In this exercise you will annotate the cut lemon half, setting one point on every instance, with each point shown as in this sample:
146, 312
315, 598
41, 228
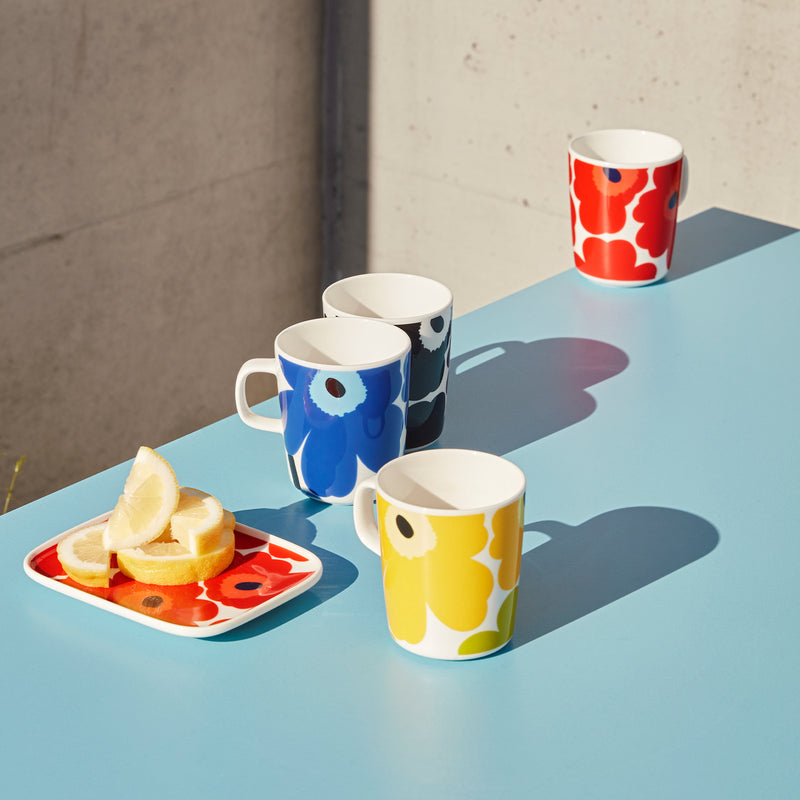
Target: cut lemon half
198, 521
149, 500
171, 564
84, 558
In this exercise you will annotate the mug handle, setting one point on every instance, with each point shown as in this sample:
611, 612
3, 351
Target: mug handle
249, 417
364, 516
684, 180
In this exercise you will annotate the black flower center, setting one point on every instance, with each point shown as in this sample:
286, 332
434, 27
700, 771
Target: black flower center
152, 601
437, 323
334, 388
248, 586
614, 175
404, 526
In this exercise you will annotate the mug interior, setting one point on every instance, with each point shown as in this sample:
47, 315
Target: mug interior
391, 296
343, 342
450, 481
626, 148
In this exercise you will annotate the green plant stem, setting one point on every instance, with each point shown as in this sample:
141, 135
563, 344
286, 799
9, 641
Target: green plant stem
9, 492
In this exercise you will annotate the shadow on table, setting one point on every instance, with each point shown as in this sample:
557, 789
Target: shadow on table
716, 235
583, 568
539, 386
294, 524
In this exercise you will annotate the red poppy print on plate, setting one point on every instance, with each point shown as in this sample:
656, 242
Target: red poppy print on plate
251, 579
266, 571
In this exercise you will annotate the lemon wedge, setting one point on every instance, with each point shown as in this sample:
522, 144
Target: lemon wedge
198, 521
150, 498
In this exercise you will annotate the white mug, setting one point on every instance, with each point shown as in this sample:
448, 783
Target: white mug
343, 394
449, 533
625, 188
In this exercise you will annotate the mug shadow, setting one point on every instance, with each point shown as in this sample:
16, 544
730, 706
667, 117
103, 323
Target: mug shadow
293, 523
547, 379
715, 235
588, 566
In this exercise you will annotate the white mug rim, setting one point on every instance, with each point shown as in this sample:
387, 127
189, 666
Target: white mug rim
370, 327
665, 139
372, 277
514, 493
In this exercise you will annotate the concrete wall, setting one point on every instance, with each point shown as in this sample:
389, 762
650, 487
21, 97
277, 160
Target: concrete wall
472, 105
159, 217
160, 175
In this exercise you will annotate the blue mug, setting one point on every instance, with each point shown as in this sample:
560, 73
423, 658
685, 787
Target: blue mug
421, 307
343, 394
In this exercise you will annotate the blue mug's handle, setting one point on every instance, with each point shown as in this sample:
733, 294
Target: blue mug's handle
249, 417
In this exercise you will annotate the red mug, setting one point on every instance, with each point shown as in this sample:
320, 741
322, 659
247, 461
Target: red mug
625, 187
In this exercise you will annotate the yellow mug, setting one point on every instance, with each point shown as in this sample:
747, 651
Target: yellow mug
449, 533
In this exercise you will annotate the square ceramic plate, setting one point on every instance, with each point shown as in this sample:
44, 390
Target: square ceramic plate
266, 571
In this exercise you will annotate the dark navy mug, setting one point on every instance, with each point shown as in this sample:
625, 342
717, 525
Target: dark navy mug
421, 307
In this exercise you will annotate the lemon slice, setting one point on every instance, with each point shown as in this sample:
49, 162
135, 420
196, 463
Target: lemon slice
171, 564
149, 500
84, 558
198, 521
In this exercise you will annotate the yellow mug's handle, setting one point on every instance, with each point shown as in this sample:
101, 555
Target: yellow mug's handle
364, 515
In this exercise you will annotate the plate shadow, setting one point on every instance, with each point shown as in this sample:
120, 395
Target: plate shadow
585, 567
540, 385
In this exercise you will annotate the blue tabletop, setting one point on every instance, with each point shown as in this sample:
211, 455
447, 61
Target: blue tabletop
656, 651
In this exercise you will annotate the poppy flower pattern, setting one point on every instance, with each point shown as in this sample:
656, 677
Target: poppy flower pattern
338, 424
617, 257
181, 605
456, 570
430, 363
658, 211
261, 570
604, 194
623, 220
256, 575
